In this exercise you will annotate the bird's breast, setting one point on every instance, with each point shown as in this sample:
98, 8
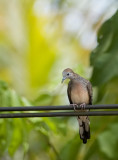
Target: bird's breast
79, 94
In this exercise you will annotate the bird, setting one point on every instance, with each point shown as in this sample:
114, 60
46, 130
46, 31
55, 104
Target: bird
79, 92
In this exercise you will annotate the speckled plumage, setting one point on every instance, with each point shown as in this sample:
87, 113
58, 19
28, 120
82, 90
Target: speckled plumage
79, 91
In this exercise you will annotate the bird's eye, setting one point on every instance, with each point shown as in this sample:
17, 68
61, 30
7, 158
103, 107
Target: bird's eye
67, 74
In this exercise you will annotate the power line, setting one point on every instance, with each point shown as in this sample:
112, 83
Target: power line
59, 114
64, 107
69, 112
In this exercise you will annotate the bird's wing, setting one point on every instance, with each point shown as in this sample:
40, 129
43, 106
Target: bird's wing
69, 93
90, 92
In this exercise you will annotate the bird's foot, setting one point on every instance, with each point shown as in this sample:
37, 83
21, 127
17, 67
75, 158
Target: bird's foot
75, 106
83, 106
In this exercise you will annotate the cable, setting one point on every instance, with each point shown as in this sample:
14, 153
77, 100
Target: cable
59, 114
64, 107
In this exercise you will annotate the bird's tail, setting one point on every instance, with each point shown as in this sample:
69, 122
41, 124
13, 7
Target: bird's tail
84, 128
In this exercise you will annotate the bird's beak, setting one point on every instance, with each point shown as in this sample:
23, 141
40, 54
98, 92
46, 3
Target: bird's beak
63, 79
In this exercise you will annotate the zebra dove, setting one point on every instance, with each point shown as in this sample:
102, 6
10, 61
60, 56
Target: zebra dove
79, 93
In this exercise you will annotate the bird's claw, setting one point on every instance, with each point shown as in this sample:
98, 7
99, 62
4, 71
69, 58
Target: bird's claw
83, 106
75, 106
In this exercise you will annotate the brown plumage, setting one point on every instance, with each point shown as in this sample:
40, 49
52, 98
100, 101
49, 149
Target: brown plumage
79, 92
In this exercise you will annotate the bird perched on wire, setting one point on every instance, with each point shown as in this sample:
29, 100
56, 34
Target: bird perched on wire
79, 93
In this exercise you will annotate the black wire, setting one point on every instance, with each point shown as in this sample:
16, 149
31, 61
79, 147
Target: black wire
59, 114
65, 107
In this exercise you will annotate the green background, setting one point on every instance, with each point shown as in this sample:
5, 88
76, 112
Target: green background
36, 45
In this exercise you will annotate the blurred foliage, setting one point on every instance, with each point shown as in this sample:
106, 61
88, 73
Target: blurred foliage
34, 49
107, 55
104, 60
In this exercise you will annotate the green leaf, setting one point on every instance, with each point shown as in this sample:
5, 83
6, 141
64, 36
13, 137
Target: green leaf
108, 93
70, 150
15, 141
108, 141
15, 99
25, 102
43, 99
104, 58
102, 69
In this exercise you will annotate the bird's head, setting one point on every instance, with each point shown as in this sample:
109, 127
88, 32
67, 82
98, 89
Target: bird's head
67, 74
